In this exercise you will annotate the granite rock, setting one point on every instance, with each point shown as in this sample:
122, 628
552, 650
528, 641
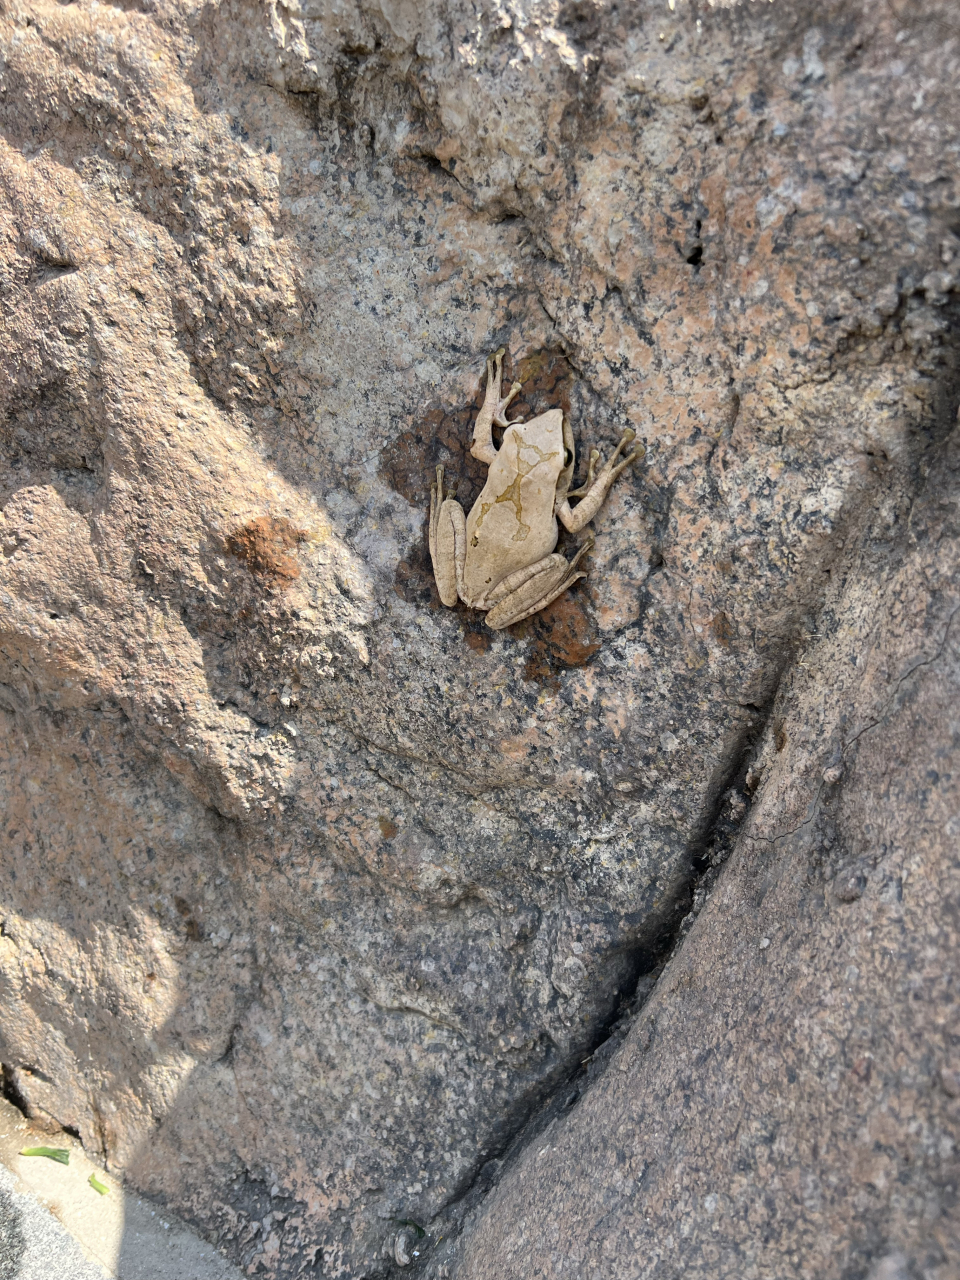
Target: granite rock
314, 890
786, 1103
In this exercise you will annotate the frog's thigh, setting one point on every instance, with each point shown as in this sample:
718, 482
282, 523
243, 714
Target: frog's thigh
450, 522
549, 579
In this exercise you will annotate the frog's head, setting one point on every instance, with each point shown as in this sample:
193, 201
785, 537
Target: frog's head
550, 436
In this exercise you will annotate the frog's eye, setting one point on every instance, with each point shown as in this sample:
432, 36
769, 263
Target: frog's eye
568, 457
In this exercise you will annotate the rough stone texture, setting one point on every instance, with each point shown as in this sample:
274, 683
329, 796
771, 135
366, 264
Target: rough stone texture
312, 888
33, 1244
788, 1102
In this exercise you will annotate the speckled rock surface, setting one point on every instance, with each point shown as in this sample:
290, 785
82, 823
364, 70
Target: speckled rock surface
314, 889
788, 1101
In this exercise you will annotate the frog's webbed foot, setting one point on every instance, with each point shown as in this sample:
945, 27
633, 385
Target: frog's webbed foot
611, 468
505, 403
495, 371
529, 590
494, 403
492, 410
447, 537
626, 439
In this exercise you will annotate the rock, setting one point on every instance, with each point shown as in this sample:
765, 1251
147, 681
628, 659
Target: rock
11, 1238
775, 1110
314, 890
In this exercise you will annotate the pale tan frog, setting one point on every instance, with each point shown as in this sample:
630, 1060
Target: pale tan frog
501, 556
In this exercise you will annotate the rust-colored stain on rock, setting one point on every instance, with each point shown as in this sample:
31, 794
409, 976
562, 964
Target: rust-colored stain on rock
262, 545
564, 635
723, 629
477, 638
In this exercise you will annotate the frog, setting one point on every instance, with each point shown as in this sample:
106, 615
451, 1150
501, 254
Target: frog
502, 557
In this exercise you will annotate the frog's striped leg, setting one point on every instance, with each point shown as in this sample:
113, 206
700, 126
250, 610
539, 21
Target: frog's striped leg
448, 542
539, 586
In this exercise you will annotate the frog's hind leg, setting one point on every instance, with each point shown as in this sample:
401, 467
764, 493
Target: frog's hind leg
530, 590
448, 541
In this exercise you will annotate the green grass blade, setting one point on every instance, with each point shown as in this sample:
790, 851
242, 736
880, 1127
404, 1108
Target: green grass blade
98, 1186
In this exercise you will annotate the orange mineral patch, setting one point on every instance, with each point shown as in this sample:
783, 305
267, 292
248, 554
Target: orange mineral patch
262, 545
564, 635
388, 828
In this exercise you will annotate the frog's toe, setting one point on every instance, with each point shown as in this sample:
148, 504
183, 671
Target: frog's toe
505, 403
585, 547
637, 454
591, 474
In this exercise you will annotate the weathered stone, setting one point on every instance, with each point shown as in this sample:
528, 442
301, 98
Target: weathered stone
786, 1102
312, 888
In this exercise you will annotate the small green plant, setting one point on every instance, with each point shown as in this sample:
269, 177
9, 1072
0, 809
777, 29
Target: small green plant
98, 1186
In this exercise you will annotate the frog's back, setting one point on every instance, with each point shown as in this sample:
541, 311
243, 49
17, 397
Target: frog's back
512, 524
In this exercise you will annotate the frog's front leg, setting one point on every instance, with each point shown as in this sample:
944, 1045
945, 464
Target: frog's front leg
574, 518
493, 410
529, 590
448, 541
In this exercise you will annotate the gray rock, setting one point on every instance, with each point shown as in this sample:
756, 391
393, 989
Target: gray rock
315, 891
11, 1238
783, 1105
33, 1244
